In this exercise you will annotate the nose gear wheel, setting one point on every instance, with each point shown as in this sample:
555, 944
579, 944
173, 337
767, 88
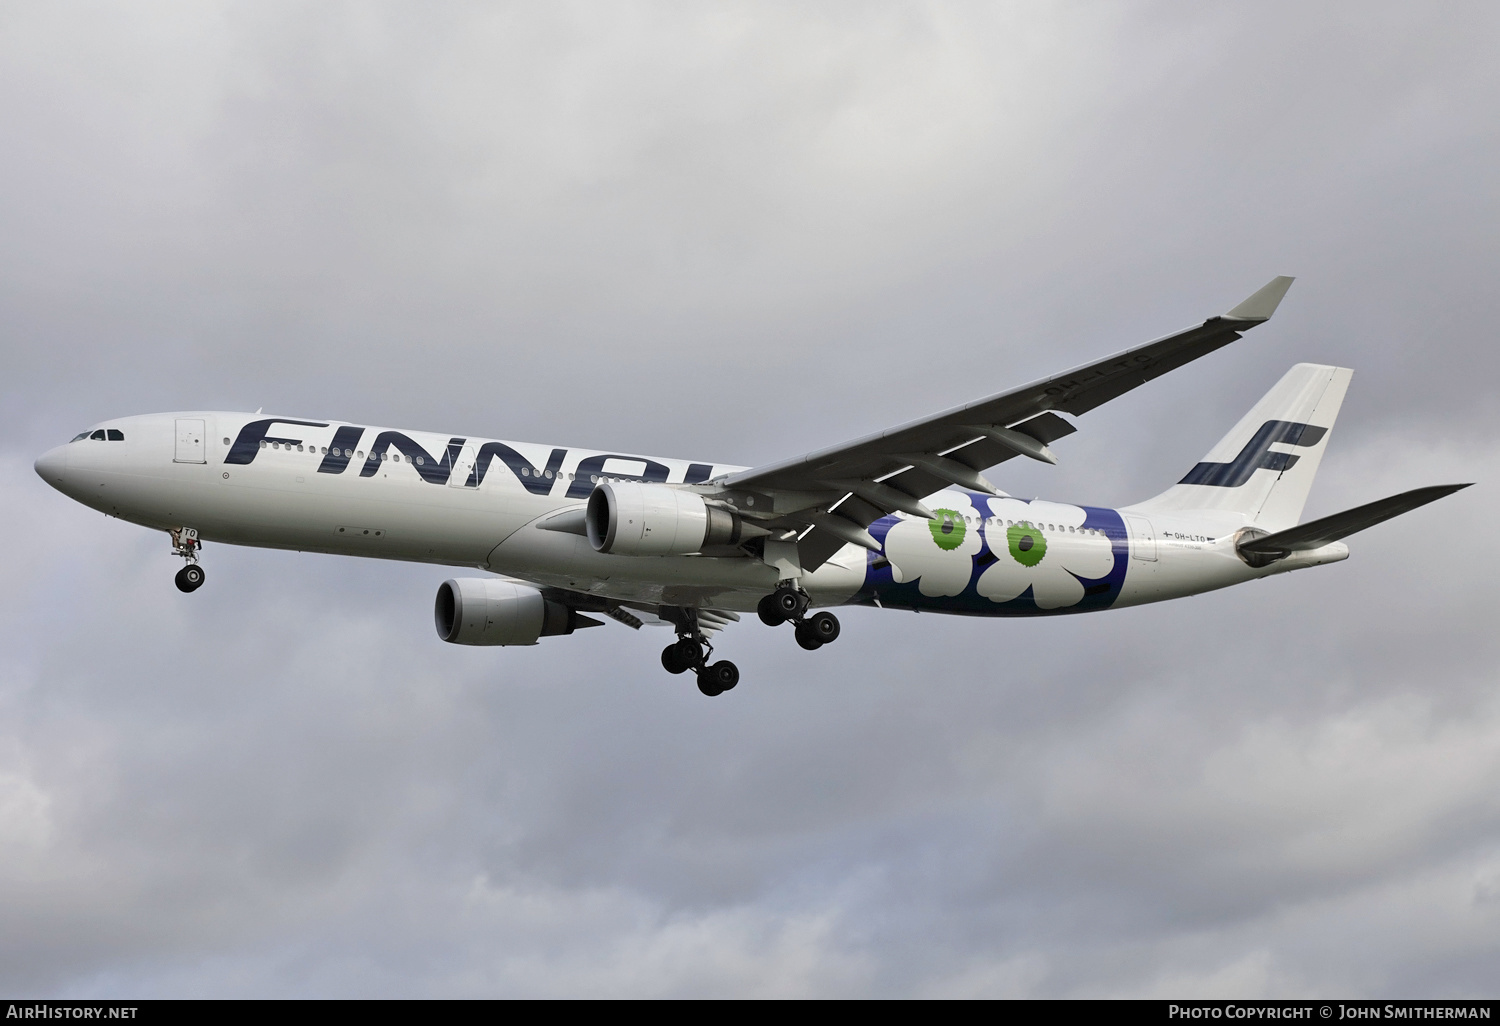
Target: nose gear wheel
189, 578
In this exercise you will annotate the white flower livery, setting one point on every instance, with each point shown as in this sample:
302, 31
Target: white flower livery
1041, 546
939, 554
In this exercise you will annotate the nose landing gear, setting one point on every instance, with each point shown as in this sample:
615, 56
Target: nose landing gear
789, 603
185, 543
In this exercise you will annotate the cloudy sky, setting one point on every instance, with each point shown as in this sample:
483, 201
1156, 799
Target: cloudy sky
739, 232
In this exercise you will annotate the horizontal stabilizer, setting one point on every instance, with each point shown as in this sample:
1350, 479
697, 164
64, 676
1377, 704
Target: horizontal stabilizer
1317, 533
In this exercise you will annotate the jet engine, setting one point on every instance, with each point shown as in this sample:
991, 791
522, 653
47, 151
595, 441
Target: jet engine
632, 518
492, 611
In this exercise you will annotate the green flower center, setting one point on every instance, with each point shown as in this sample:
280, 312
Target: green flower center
948, 529
1027, 546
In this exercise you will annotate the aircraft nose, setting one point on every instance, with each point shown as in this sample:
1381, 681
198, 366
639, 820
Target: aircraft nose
52, 466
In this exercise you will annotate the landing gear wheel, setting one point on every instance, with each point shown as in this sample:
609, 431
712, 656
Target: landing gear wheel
806, 637
824, 626
681, 655
769, 612
790, 604
189, 578
722, 676
670, 660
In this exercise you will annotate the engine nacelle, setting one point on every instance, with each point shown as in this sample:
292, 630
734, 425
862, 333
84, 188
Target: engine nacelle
632, 518
490, 611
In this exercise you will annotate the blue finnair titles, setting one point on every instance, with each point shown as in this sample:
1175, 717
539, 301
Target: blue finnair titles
347, 447
565, 538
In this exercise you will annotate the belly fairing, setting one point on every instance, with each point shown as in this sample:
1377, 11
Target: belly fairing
999, 557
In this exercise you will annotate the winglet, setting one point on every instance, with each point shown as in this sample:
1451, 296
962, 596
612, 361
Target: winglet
1263, 304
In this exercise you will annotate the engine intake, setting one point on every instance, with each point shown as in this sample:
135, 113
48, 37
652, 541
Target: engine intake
632, 518
491, 611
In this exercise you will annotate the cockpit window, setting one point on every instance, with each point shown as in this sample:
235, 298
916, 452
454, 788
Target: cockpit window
116, 435
99, 435
79, 437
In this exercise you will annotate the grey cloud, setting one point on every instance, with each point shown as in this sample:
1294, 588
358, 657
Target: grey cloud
737, 233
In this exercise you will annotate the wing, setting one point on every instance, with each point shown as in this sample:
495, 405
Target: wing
840, 491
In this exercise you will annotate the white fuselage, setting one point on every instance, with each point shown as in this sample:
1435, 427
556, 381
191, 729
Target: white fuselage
470, 502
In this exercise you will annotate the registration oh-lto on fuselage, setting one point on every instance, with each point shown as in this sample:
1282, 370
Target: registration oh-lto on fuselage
568, 538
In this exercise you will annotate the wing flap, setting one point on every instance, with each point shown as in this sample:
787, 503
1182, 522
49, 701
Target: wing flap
694, 620
1046, 428
817, 547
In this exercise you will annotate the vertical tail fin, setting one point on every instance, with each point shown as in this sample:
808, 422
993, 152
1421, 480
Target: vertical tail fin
1264, 468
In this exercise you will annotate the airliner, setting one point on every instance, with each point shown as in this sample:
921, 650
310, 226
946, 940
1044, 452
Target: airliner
903, 519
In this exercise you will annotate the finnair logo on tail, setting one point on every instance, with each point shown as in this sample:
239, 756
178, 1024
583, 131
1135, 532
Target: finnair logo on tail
1257, 454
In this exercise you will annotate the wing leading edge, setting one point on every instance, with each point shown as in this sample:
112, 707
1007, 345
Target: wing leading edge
829, 497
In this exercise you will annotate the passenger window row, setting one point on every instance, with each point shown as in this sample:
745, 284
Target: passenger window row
1059, 528
1001, 522
351, 453
396, 457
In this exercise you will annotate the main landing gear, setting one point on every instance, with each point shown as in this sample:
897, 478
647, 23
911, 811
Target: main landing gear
789, 603
691, 652
185, 543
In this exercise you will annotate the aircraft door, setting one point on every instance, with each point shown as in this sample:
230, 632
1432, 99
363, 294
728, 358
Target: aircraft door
1142, 539
463, 468
189, 442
